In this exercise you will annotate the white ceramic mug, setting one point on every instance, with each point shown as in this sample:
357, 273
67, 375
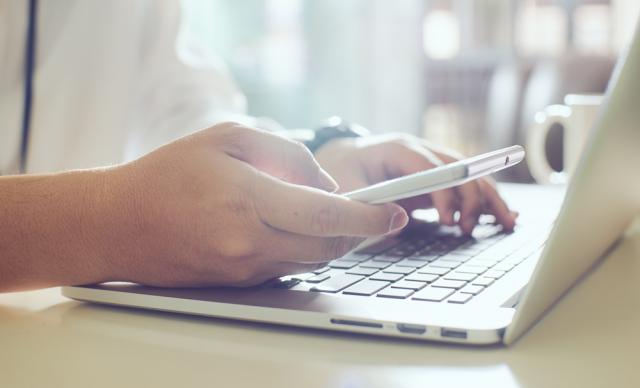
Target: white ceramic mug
576, 117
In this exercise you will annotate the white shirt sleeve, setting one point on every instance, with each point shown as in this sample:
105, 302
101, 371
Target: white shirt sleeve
181, 87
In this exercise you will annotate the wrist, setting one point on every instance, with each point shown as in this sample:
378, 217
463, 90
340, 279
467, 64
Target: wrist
94, 223
114, 222
51, 230
334, 147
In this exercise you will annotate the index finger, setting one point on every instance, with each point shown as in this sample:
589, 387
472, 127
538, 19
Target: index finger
471, 203
497, 206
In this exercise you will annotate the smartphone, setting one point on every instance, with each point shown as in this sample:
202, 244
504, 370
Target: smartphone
442, 177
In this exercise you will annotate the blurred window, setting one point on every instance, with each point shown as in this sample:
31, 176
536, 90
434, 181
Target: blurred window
441, 34
420, 66
283, 39
592, 29
540, 29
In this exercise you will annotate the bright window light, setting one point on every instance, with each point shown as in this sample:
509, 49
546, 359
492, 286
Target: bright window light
541, 30
441, 34
625, 16
283, 48
592, 29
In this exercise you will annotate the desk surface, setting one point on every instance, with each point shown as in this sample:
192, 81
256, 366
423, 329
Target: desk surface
589, 339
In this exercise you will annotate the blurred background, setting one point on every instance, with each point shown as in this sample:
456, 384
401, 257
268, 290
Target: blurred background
467, 74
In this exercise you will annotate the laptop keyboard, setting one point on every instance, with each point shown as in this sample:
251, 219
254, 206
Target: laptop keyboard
432, 263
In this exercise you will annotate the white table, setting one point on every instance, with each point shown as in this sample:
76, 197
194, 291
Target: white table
591, 338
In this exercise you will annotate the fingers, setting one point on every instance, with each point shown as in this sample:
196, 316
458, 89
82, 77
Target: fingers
415, 159
296, 248
275, 155
312, 212
495, 205
446, 203
471, 206
284, 253
485, 191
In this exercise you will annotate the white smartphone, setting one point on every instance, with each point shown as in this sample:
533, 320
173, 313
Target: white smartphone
442, 177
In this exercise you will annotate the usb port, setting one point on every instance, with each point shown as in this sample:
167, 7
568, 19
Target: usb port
411, 328
451, 333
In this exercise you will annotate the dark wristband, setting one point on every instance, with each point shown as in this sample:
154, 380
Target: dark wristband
334, 128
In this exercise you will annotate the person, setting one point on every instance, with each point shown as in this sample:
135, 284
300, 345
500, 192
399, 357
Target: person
120, 187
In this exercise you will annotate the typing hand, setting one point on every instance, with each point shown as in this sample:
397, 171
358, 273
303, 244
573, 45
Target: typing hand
232, 205
356, 163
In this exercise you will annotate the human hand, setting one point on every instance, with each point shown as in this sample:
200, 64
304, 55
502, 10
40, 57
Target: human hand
359, 162
231, 206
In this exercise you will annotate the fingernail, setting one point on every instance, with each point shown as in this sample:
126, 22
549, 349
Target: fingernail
327, 183
399, 220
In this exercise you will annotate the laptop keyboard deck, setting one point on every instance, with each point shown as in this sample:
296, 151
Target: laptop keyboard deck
431, 263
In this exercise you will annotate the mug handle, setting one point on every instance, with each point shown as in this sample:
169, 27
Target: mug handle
536, 137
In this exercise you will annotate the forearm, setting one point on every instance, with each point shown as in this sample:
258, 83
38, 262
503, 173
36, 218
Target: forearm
49, 230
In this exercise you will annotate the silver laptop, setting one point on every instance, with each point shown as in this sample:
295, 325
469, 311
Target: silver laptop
431, 283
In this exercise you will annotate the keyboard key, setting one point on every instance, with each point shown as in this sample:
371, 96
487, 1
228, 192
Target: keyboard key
318, 278
362, 271
354, 256
487, 231
434, 270
432, 294
366, 287
473, 245
379, 246
459, 298
422, 277
488, 241
454, 257
444, 264
459, 255
483, 262
286, 284
423, 257
388, 277
444, 283
395, 293
468, 251
337, 283
504, 267
483, 281
409, 285
439, 250
477, 270
494, 274
411, 263
492, 254
302, 276
396, 269
453, 242
519, 256
321, 270
388, 259
375, 264
514, 259
500, 251
402, 250
472, 289
341, 264
460, 276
